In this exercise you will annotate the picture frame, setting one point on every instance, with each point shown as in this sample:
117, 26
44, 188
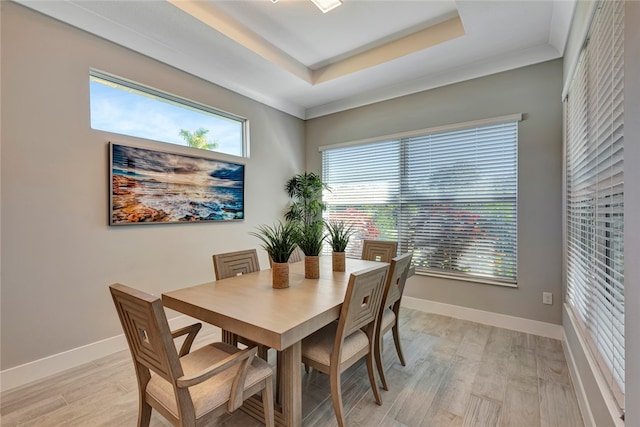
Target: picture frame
148, 186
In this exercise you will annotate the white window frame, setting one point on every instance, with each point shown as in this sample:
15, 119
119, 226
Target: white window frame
176, 100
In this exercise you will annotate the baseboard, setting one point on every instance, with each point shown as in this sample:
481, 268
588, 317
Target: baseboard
578, 386
600, 382
47, 366
519, 324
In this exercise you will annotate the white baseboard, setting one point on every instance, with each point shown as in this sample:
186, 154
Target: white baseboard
601, 382
578, 386
519, 324
50, 365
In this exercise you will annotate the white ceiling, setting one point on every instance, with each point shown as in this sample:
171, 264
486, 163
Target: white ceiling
291, 56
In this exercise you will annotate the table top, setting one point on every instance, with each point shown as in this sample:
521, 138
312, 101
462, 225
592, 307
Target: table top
249, 306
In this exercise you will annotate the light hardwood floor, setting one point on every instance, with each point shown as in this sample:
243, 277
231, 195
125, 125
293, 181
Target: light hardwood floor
458, 373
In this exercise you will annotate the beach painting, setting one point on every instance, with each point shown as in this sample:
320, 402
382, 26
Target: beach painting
149, 187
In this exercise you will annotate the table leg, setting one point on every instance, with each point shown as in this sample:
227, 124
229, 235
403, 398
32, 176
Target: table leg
229, 338
291, 384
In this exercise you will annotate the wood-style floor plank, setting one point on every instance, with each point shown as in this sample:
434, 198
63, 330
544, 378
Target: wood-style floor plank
458, 373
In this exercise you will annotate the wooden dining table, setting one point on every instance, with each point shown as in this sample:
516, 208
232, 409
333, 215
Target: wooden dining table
249, 306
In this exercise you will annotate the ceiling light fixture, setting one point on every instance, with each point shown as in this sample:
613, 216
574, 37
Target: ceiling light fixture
326, 5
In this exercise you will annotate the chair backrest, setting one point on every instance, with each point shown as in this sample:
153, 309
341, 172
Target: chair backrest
361, 303
379, 250
296, 255
147, 331
396, 279
232, 264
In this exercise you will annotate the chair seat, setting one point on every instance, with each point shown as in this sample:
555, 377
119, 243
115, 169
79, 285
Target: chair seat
319, 345
210, 394
388, 319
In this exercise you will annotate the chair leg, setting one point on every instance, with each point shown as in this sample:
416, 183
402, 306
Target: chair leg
144, 414
267, 403
336, 396
379, 363
396, 340
372, 378
278, 377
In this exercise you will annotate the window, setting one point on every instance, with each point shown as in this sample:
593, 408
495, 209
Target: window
448, 195
128, 108
595, 194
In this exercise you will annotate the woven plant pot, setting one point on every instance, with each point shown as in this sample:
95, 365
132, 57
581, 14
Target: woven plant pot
311, 267
338, 261
280, 272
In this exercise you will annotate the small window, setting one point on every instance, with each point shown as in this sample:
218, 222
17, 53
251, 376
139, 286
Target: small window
128, 108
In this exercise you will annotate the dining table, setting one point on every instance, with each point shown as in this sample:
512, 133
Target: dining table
248, 306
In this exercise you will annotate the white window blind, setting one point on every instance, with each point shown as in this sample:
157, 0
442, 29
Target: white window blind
448, 197
595, 189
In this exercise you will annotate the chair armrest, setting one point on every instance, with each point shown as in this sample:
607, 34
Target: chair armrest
192, 331
245, 355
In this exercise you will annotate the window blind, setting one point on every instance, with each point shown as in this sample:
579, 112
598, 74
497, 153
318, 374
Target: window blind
448, 197
595, 190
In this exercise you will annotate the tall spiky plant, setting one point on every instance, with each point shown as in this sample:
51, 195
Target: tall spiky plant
310, 238
278, 240
339, 234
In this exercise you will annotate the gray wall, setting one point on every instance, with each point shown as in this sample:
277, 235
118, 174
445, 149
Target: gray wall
533, 91
58, 254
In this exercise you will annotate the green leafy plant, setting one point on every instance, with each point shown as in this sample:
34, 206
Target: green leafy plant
305, 190
339, 234
310, 238
278, 240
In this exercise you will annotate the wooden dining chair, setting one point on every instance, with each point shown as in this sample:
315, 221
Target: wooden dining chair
379, 250
390, 309
187, 388
340, 344
231, 264
296, 256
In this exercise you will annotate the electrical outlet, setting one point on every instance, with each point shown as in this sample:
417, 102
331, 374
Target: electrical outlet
547, 298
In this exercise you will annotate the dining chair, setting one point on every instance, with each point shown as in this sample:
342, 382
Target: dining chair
187, 388
231, 264
337, 346
379, 250
390, 309
296, 256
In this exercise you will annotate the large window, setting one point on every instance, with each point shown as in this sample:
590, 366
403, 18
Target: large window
449, 196
595, 193
128, 108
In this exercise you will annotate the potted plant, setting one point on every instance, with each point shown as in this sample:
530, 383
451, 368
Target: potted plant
309, 240
305, 190
338, 236
279, 241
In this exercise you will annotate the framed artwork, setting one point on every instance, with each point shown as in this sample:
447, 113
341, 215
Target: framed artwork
149, 187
